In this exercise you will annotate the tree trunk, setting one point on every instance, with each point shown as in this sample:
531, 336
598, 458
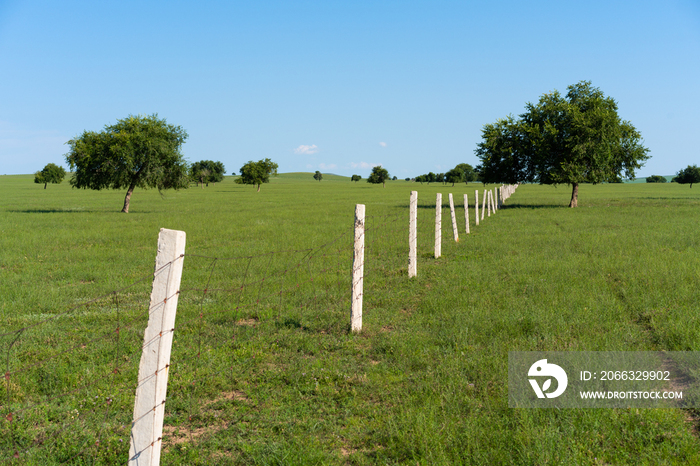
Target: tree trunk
258, 188
127, 199
574, 196
48, 183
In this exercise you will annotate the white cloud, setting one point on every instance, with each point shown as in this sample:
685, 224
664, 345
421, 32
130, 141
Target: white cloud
383, 144
303, 149
323, 166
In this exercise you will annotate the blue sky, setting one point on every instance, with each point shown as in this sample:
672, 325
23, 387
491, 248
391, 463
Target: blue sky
339, 86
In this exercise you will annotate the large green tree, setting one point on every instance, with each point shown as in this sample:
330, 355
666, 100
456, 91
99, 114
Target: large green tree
257, 173
51, 173
468, 173
453, 176
690, 174
378, 175
318, 175
138, 151
572, 139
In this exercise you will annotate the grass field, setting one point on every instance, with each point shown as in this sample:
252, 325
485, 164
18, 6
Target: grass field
265, 370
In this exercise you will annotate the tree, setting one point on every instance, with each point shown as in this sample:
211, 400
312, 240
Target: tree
378, 175
207, 171
355, 178
51, 173
394, 178
318, 175
656, 179
257, 173
468, 172
690, 174
138, 151
454, 176
574, 139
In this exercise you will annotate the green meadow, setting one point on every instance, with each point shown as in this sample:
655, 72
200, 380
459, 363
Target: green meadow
264, 367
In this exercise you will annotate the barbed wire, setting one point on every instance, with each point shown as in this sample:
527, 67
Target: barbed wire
58, 388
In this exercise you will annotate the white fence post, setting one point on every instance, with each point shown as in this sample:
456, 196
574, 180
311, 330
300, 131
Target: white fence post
483, 206
438, 225
413, 235
488, 201
149, 405
454, 219
466, 212
358, 268
476, 205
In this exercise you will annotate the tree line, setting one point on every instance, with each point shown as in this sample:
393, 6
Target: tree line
572, 139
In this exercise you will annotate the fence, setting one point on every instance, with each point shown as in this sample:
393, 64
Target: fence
74, 391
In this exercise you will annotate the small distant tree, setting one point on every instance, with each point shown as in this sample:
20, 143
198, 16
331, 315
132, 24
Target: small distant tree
430, 177
206, 171
51, 173
318, 175
408, 179
378, 175
689, 175
656, 179
355, 178
420, 178
454, 176
440, 178
394, 178
257, 173
468, 172
141, 151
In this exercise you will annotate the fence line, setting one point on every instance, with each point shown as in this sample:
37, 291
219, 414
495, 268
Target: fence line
70, 379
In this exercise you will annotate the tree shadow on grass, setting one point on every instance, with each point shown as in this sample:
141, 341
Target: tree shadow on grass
67, 211
507, 206
534, 206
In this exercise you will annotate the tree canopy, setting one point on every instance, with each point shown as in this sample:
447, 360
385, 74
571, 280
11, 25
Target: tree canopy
355, 178
318, 175
137, 151
689, 175
456, 175
378, 175
572, 139
51, 173
656, 179
207, 171
468, 172
257, 173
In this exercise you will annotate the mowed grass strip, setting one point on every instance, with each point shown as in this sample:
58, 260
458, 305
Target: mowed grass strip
265, 370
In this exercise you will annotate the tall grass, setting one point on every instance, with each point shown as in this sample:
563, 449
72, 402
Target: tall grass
267, 372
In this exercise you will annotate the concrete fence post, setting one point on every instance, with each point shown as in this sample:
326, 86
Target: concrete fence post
438, 225
476, 205
466, 212
483, 206
149, 405
413, 235
488, 201
454, 219
358, 268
